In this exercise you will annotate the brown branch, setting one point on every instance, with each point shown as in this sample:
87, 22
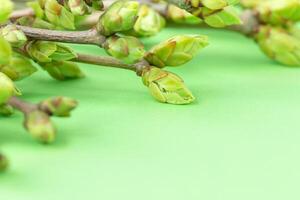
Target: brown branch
21, 105
103, 61
77, 37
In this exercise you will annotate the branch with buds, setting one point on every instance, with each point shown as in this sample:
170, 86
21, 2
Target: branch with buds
37, 34
271, 24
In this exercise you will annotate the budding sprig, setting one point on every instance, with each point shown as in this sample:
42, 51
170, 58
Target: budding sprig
54, 14
272, 25
121, 17
37, 40
215, 13
37, 116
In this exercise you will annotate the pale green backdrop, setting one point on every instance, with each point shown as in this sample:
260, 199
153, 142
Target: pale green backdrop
238, 141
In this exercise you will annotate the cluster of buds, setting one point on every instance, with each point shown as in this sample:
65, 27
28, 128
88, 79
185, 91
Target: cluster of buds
275, 21
12, 64
130, 17
215, 13
54, 58
59, 14
175, 51
280, 45
116, 31
38, 122
37, 116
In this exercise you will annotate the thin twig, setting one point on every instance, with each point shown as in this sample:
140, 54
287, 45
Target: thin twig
103, 61
21, 105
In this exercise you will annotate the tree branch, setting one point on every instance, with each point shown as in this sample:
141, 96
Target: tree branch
78, 37
21, 105
103, 61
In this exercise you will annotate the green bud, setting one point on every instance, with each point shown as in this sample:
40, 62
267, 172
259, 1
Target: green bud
20, 67
215, 13
62, 70
7, 89
6, 7
37, 9
59, 15
278, 12
126, 48
14, 36
166, 87
79, 7
40, 127
225, 17
176, 51
5, 51
6, 110
149, 22
43, 51
279, 45
179, 15
35, 23
58, 106
3, 163
120, 16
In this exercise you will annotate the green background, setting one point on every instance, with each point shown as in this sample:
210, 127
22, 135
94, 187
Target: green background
238, 141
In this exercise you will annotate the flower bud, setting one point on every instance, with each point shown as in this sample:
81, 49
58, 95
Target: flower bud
59, 15
40, 127
279, 45
58, 106
37, 9
79, 7
62, 70
7, 89
225, 17
20, 67
35, 23
120, 16
179, 15
126, 48
149, 22
14, 36
3, 163
6, 7
278, 12
5, 51
6, 110
166, 87
43, 51
176, 51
